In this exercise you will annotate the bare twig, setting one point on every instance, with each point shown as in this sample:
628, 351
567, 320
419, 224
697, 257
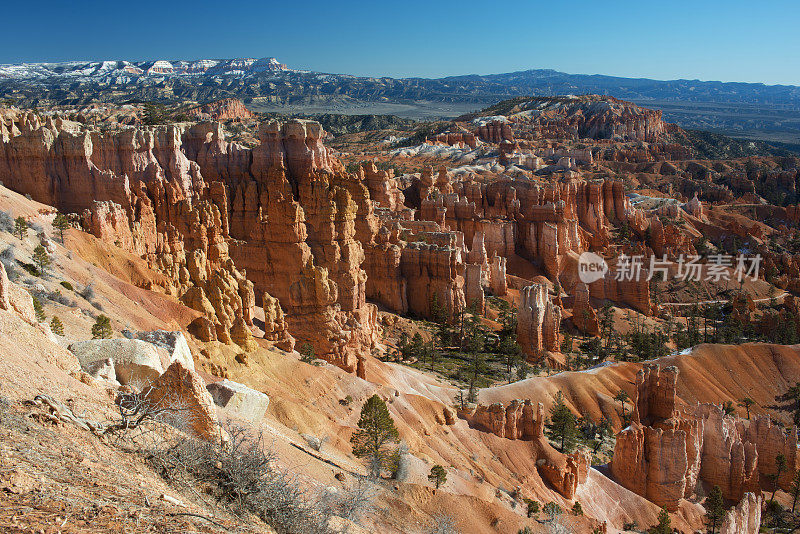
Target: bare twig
172, 514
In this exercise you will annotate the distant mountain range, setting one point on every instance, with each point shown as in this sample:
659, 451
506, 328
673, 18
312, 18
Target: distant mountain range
770, 112
127, 71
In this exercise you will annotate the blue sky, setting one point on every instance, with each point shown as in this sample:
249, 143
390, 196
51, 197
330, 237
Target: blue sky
706, 39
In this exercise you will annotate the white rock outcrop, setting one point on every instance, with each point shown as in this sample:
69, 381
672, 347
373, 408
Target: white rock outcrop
135, 362
239, 400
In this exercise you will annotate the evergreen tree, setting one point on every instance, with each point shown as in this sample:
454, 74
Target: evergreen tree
533, 507
715, 509
416, 349
376, 432
795, 489
38, 310
577, 509
102, 328
793, 396
622, 398
461, 399
552, 509
728, 408
57, 326
512, 353
20, 227
438, 312
306, 352
562, 427
523, 369
473, 342
438, 475
61, 223
746, 403
403, 346
41, 258
567, 343
664, 525
780, 467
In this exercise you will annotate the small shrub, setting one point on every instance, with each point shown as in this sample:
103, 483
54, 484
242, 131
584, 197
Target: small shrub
552, 509
67, 285
346, 401
8, 255
57, 326
56, 296
353, 503
31, 269
88, 292
577, 509
38, 310
6, 222
240, 474
442, 524
9, 262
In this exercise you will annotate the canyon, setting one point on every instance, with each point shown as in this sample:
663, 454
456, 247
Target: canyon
266, 270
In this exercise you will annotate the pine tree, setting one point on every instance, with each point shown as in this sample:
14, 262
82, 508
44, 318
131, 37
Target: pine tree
795, 489
533, 507
792, 395
102, 328
664, 525
57, 326
552, 509
61, 223
577, 509
38, 310
376, 432
567, 343
715, 509
622, 398
306, 352
512, 353
563, 425
728, 408
438, 475
41, 258
416, 349
21, 227
780, 467
746, 403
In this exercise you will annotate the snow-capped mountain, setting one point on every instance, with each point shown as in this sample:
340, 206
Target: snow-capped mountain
115, 70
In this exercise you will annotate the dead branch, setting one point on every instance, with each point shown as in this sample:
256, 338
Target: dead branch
59, 412
172, 514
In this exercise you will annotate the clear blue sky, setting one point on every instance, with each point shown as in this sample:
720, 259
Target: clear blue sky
706, 39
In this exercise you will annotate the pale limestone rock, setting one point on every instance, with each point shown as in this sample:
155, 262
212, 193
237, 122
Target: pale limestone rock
135, 362
239, 400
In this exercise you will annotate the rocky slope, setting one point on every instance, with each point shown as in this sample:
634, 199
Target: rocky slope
254, 251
